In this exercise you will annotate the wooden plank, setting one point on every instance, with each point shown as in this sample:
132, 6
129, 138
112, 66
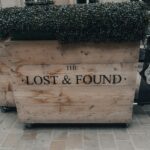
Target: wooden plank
6, 91
10, 101
5, 82
76, 102
7, 98
48, 76
2, 98
14, 54
97, 113
4, 66
51, 52
74, 95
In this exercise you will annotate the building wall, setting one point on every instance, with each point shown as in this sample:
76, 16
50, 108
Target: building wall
60, 2
20, 3
10, 3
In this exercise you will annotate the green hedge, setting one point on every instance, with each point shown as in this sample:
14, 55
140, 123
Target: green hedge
75, 23
7, 17
28, 20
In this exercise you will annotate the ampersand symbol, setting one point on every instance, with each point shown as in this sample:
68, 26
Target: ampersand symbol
66, 80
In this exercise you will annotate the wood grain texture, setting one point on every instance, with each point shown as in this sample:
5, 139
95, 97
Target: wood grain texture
6, 90
75, 103
85, 75
106, 103
14, 54
52, 52
86, 106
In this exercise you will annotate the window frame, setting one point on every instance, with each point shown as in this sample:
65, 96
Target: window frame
36, 2
87, 2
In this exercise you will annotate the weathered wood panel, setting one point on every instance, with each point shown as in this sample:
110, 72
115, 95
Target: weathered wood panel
70, 105
82, 100
74, 95
51, 52
47, 76
6, 91
75, 114
14, 54
77, 101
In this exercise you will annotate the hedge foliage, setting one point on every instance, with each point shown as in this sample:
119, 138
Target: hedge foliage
75, 23
28, 20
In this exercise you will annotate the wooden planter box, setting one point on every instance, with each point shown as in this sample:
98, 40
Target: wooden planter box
71, 83
6, 92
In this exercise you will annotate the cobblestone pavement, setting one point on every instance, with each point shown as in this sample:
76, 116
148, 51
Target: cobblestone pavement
13, 135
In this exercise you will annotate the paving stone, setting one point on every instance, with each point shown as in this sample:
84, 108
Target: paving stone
144, 119
2, 117
12, 140
146, 108
140, 141
91, 140
43, 140
58, 145
138, 110
28, 145
75, 130
103, 130
107, 141
43, 135
26, 140
121, 134
17, 127
29, 135
125, 145
59, 135
3, 135
40, 146
6, 149
135, 127
74, 141
137, 137
8, 121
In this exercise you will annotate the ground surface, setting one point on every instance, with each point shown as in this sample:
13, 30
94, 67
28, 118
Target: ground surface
136, 137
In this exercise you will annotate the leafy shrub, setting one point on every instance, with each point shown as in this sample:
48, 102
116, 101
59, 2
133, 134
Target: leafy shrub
75, 23
7, 20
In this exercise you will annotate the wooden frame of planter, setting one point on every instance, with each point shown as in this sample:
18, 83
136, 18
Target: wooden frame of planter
73, 83
83, 80
6, 92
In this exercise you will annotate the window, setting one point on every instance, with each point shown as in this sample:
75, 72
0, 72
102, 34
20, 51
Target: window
86, 1
38, 2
